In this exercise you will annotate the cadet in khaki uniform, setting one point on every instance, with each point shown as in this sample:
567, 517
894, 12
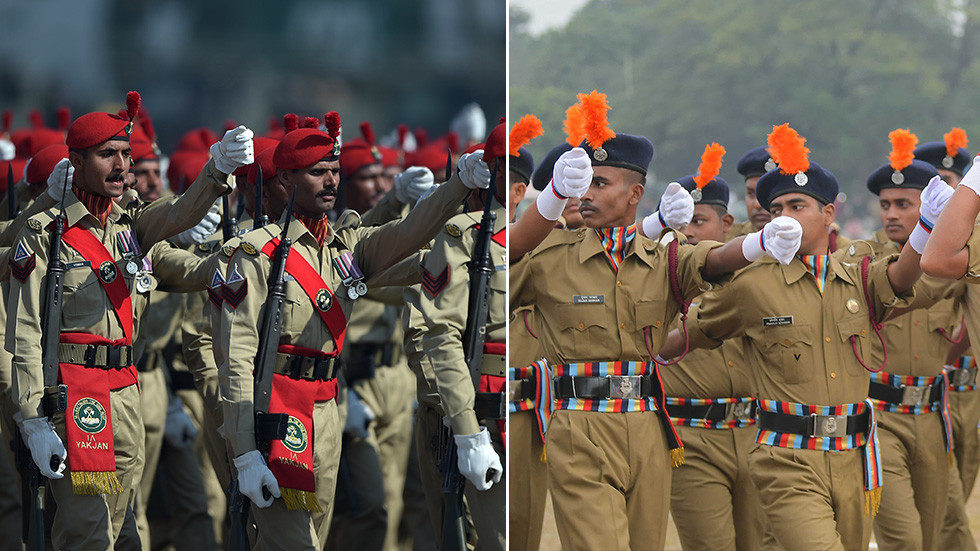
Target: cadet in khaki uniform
908, 393
96, 333
306, 160
603, 304
709, 399
806, 332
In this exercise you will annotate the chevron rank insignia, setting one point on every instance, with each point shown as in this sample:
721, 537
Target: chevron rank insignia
215, 293
22, 263
434, 284
229, 293
453, 230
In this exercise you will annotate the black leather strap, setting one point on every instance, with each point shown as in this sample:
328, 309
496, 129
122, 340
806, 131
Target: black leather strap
895, 395
599, 388
490, 405
804, 425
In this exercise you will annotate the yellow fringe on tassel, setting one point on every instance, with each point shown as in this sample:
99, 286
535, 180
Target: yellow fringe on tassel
544, 453
677, 457
872, 499
85, 483
299, 499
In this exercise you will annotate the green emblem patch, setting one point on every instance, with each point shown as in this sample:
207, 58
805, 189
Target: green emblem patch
296, 438
89, 415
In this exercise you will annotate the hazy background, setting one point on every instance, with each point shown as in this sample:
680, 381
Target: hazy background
688, 72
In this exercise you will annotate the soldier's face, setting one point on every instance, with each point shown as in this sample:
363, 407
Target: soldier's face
316, 187
899, 212
757, 215
612, 198
950, 177
102, 169
812, 216
365, 188
149, 184
388, 176
708, 224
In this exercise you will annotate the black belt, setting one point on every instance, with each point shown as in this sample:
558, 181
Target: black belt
521, 389
907, 395
103, 356
815, 425
490, 405
713, 412
363, 359
312, 368
614, 387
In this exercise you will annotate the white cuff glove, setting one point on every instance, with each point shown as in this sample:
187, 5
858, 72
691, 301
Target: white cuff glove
179, 430
7, 150
571, 177
413, 183
359, 416
933, 200
780, 239
474, 173
253, 475
972, 177
45, 446
203, 230
234, 150
57, 183
676, 207
477, 459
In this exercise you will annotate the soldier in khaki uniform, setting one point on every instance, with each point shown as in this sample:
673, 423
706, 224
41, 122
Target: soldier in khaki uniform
603, 304
306, 161
709, 399
806, 332
96, 333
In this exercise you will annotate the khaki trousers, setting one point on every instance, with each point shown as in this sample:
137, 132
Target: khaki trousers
528, 482
964, 412
712, 499
609, 477
153, 407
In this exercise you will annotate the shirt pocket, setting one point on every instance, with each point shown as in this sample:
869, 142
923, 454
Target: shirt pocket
650, 313
790, 347
865, 346
585, 332
942, 321
296, 307
84, 302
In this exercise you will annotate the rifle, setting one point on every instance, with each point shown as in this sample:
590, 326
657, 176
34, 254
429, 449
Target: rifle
268, 426
229, 225
11, 207
480, 269
260, 219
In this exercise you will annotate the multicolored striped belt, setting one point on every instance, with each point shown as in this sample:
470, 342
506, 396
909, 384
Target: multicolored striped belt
963, 375
711, 413
914, 396
828, 432
529, 389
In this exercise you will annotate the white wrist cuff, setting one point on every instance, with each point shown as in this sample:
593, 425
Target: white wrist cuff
550, 205
653, 225
919, 238
972, 178
752, 247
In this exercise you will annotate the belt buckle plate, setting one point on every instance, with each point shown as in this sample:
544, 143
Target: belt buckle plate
625, 387
513, 390
833, 426
964, 376
739, 411
915, 395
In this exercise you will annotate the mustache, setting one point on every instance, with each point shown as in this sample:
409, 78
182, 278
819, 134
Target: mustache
331, 191
115, 177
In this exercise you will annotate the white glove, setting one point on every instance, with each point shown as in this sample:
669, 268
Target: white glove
253, 475
470, 124
780, 239
473, 171
57, 183
234, 150
477, 459
933, 200
203, 230
972, 177
413, 183
7, 150
676, 211
179, 430
359, 416
571, 177
44, 443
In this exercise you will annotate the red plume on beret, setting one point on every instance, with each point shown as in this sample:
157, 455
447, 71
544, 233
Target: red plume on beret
64, 118
574, 125
8, 118
526, 129
903, 144
710, 164
955, 139
787, 148
594, 111
133, 101
310, 122
35, 118
332, 121
290, 122
421, 138
368, 132
402, 134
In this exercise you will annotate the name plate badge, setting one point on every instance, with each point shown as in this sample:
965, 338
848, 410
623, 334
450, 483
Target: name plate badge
777, 321
589, 299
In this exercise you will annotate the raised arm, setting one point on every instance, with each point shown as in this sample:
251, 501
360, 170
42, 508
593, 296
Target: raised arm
947, 253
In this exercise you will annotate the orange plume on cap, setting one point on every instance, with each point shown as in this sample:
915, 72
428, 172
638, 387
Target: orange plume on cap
594, 110
955, 139
787, 148
525, 130
903, 143
710, 164
574, 125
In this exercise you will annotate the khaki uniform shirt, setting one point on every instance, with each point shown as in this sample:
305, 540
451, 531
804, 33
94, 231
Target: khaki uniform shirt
522, 346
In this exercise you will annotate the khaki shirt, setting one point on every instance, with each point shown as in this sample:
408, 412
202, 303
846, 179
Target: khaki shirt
374, 250
587, 312
85, 306
446, 311
912, 337
522, 345
739, 229
795, 338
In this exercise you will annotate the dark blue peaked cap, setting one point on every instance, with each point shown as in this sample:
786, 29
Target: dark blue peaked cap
542, 172
817, 182
624, 151
935, 154
714, 192
755, 163
914, 176
523, 164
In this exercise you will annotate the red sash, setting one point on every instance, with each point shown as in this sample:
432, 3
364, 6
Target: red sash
312, 284
500, 237
493, 383
88, 419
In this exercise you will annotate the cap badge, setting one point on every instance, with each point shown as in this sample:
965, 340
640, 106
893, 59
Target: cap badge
770, 165
696, 195
800, 179
600, 154
947, 162
898, 178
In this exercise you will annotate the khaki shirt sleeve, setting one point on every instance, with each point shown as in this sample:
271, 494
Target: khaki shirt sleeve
880, 288
181, 271
197, 346
445, 316
716, 318
405, 273
690, 267
23, 331
520, 281
166, 217
240, 335
388, 208
973, 268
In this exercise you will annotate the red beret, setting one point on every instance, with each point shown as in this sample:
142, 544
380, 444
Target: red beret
184, 168
199, 139
43, 163
264, 159
389, 156
357, 154
496, 144
432, 157
18, 170
259, 144
142, 147
304, 147
43, 137
91, 129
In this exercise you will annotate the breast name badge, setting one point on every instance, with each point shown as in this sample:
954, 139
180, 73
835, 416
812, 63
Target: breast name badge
777, 321
350, 275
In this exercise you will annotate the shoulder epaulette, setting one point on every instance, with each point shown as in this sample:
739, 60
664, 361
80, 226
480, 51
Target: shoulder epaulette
347, 219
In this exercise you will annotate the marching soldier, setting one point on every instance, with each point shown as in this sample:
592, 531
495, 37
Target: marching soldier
806, 328
329, 268
101, 425
752, 166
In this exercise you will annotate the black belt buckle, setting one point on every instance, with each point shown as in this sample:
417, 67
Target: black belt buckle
113, 357
55, 400
90, 354
270, 426
322, 369
916, 395
828, 426
739, 411
963, 376
625, 387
